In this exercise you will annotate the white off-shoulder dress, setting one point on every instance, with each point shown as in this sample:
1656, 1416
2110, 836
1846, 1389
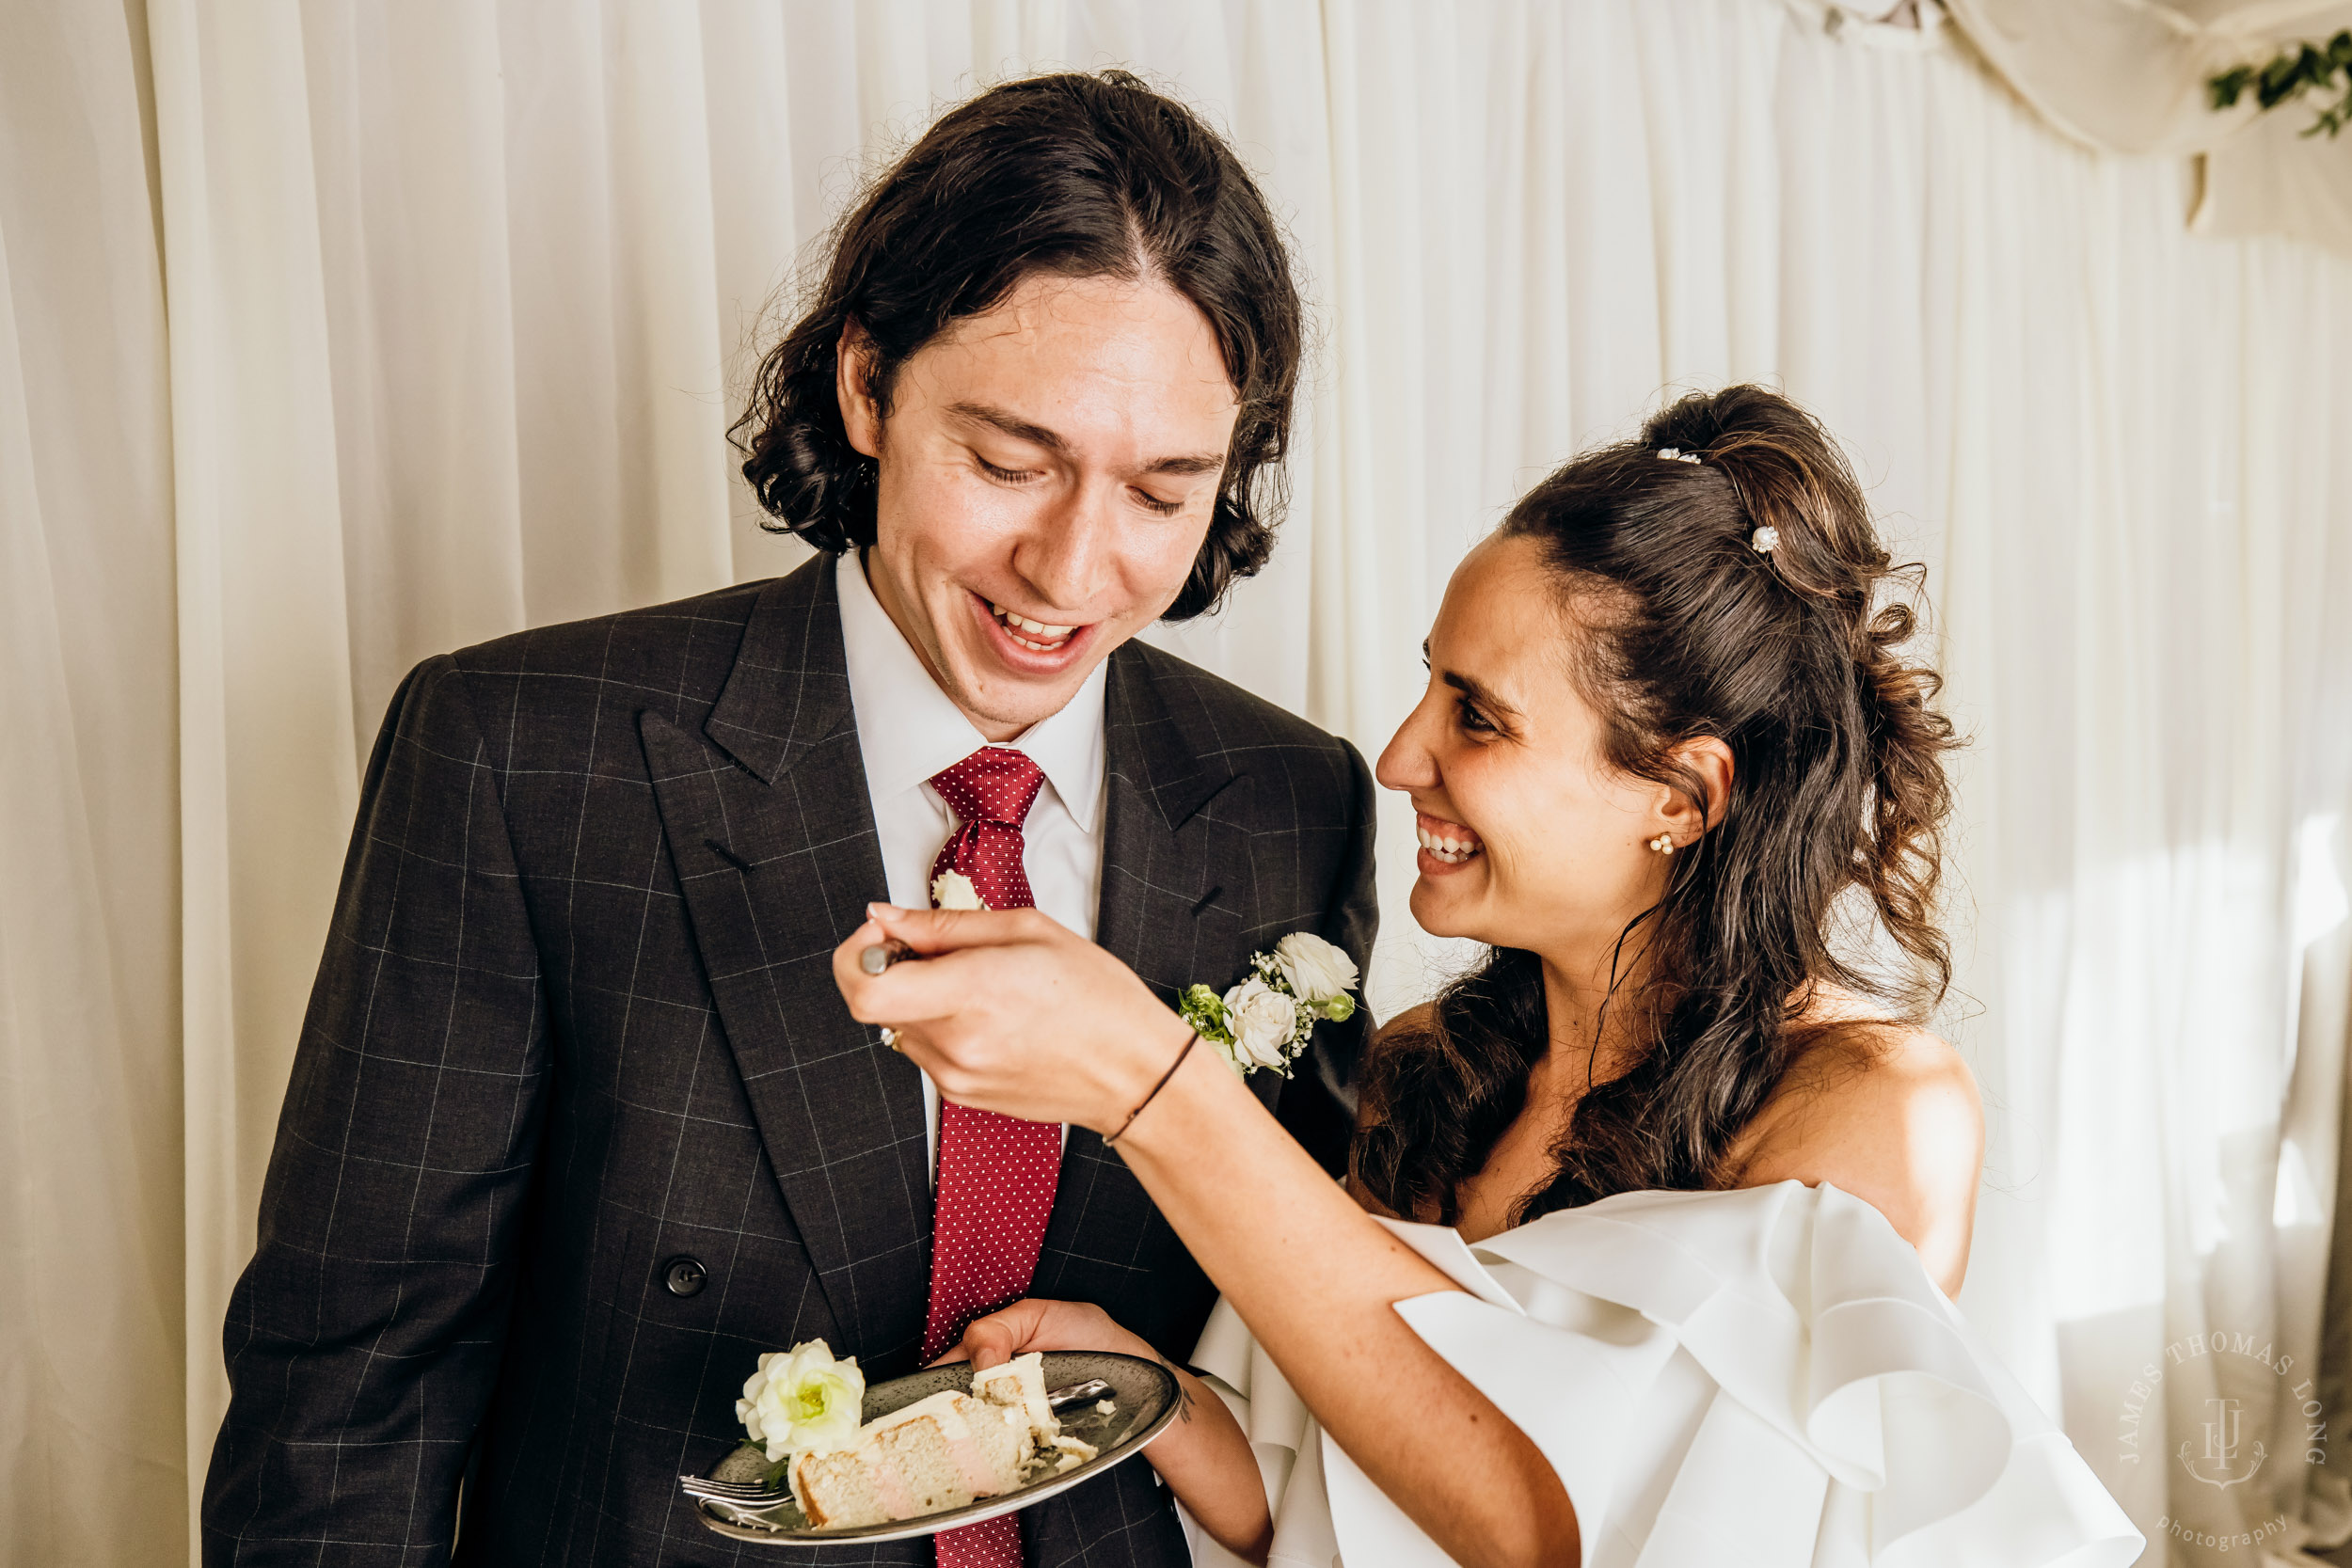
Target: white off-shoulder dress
1765, 1377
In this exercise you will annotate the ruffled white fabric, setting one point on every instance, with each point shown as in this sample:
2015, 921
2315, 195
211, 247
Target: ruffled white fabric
1764, 1376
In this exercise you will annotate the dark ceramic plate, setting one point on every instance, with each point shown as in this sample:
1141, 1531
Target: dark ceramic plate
1144, 1399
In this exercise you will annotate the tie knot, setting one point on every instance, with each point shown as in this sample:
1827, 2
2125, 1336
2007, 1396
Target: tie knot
993, 785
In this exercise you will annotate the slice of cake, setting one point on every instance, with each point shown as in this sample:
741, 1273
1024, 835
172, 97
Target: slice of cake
1022, 1381
937, 1453
1020, 1385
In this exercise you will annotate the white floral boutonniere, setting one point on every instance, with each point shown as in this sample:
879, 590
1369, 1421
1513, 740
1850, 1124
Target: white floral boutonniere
1267, 1018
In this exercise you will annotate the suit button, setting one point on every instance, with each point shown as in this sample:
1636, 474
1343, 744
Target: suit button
685, 1276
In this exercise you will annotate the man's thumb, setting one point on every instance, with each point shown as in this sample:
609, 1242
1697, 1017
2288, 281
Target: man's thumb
988, 1343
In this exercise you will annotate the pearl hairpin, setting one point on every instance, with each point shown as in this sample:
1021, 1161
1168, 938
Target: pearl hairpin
1764, 540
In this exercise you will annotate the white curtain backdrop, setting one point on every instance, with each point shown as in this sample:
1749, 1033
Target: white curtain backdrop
333, 334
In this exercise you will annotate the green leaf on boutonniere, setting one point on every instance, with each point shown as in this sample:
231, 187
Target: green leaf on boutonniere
1205, 1011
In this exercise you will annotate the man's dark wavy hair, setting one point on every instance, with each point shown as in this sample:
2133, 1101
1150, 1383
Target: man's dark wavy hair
1084, 176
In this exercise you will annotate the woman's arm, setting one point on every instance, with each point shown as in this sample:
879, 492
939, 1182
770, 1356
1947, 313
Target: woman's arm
1316, 1279
1203, 1455
1016, 1014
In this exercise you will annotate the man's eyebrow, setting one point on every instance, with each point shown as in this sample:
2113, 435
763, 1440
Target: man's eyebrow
1009, 424
1197, 463
1036, 434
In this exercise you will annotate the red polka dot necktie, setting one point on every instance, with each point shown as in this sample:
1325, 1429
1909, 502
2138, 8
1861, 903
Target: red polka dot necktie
997, 1173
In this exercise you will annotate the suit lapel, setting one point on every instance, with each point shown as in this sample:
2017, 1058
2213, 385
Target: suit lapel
1161, 773
1175, 906
1178, 892
773, 838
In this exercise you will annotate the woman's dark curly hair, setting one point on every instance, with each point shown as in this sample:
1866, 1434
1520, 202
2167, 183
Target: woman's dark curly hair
1084, 176
1682, 628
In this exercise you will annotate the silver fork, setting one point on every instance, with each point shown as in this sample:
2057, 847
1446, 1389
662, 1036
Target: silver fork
756, 1495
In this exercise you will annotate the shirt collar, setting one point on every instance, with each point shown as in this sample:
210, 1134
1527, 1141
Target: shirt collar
908, 729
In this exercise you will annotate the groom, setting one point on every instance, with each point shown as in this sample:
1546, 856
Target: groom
579, 1124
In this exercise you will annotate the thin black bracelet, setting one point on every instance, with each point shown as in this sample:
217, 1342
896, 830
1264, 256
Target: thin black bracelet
1155, 1090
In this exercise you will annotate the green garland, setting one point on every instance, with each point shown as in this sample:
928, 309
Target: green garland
2291, 73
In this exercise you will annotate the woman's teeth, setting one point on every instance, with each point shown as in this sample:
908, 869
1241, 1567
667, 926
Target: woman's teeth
1042, 639
1452, 848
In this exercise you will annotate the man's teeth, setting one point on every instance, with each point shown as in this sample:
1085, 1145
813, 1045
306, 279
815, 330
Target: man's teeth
1042, 639
1453, 851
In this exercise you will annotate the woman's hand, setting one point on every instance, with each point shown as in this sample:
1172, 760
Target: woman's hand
1010, 1011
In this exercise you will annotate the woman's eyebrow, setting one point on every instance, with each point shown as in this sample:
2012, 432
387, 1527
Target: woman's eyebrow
1470, 686
1478, 691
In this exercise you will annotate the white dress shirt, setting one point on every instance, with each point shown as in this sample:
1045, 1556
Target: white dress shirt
908, 730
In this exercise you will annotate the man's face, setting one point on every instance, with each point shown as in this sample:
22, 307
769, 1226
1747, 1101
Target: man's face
1048, 472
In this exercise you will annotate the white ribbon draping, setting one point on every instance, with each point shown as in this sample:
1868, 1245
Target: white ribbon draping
2132, 75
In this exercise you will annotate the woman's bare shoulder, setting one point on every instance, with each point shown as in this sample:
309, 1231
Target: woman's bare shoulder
1886, 1112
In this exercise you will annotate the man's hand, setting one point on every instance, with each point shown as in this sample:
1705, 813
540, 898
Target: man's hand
1010, 1011
1203, 1455
1032, 1324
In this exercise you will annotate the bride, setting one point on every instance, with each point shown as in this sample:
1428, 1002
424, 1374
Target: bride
1651, 1218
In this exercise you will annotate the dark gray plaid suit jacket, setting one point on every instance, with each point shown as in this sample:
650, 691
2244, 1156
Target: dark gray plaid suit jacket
576, 1026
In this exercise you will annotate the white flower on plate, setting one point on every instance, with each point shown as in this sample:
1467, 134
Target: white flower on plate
1263, 1021
802, 1398
953, 890
1318, 972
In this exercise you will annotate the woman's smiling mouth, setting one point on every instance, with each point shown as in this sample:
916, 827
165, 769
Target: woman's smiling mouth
1448, 843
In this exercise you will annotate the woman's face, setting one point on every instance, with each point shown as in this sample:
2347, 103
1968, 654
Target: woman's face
1530, 838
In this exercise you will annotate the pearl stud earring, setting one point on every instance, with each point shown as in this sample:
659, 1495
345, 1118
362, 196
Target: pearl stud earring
1663, 844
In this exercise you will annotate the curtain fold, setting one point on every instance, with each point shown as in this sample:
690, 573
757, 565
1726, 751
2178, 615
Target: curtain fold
92, 1441
462, 299
268, 770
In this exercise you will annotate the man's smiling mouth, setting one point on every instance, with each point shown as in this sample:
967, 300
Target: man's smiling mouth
1034, 635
